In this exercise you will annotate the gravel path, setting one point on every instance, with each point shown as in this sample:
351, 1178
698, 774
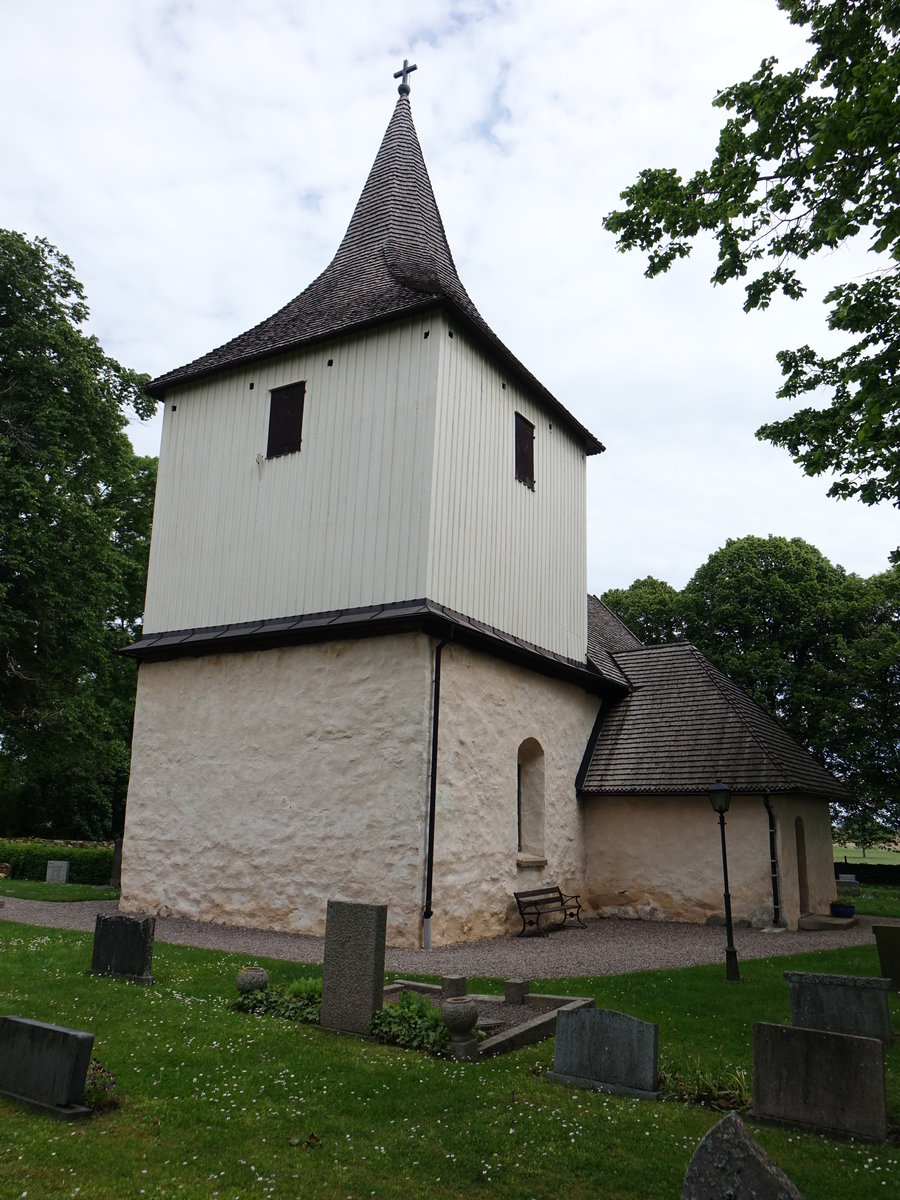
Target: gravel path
606, 947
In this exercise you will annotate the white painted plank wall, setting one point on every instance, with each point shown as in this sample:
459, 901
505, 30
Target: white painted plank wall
500, 553
342, 523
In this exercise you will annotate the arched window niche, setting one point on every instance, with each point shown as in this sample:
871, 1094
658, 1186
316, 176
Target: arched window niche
530, 803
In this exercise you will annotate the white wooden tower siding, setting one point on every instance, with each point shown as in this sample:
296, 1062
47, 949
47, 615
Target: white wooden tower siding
404, 481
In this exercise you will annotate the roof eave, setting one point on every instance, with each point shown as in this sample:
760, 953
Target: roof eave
179, 378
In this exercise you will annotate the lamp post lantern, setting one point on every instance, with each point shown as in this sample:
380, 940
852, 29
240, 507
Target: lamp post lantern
720, 799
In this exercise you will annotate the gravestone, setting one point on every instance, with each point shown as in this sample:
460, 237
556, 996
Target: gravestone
5, 871
829, 1082
606, 1051
855, 1004
45, 1066
123, 946
728, 1162
57, 871
115, 875
887, 939
353, 968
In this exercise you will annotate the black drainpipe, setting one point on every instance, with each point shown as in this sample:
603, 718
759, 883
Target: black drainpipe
432, 799
776, 904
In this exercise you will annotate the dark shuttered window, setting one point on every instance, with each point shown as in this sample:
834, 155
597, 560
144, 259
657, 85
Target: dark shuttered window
524, 451
285, 419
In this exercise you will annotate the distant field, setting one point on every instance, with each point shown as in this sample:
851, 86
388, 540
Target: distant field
854, 854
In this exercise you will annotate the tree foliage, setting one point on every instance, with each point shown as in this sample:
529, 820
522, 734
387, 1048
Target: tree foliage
816, 647
808, 159
75, 510
651, 608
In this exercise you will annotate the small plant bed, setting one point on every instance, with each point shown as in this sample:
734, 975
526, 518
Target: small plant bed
299, 1000
502, 1026
720, 1088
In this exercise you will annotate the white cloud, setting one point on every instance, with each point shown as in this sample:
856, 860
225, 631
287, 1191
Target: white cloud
199, 161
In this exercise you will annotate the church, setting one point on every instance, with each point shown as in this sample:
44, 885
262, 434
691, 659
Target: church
369, 667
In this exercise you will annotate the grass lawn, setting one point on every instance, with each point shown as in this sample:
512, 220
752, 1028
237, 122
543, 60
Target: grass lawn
852, 854
875, 900
33, 889
220, 1104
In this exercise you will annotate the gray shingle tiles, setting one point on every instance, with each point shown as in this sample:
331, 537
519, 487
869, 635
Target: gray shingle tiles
394, 261
685, 724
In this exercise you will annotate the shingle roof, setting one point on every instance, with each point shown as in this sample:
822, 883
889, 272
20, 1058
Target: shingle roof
605, 634
394, 261
686, 724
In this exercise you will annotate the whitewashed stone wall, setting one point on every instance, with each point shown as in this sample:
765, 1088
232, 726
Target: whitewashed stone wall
488, 708
264, 784
819, 854
660, 858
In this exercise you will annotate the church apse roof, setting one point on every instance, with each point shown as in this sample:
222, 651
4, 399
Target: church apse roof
685, 724
393, 261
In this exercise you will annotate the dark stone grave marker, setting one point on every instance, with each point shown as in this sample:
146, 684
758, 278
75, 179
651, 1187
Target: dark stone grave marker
830, 1082
353, 967
606, 1051
854, 1004
728, 1162
45, 1066
123, 946
887, 939
115, 875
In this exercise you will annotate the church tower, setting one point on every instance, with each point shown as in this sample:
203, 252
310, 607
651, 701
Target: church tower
363, 500
372, 443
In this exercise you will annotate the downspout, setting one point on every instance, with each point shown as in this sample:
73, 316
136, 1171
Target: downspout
773, 860
432, 798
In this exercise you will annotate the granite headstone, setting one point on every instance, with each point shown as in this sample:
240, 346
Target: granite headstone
887, 939
45, 1066
606, 1051
123, 946
353, 968
830, 1082
728, 1162
57, 870
855, 1004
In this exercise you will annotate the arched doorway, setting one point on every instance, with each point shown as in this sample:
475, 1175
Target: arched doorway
802, 877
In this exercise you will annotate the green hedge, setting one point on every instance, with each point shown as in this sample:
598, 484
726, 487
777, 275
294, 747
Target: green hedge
89, 862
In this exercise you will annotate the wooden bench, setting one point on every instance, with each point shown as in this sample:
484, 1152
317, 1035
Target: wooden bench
539, 901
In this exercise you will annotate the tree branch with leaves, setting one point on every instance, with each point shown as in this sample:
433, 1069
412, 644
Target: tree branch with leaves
807, 160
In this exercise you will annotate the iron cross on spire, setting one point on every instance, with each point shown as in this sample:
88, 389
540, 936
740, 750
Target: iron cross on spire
403, 89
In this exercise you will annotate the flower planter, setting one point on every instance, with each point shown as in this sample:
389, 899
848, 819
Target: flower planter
843, 910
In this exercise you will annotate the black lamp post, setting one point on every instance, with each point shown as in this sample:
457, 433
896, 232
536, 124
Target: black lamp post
720, 799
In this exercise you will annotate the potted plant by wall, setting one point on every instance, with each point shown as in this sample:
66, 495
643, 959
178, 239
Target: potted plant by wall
840, 909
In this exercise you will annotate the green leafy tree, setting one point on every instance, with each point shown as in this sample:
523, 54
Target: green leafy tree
808, 159
863, 830
651, 608
75, 509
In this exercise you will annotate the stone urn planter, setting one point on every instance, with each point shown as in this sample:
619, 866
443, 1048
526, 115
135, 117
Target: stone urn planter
460, 1016
251, 979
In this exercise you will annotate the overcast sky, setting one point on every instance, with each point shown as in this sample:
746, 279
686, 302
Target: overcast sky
199, 161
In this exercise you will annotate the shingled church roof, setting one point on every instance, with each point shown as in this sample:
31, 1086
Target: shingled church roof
394, 261
685, 724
